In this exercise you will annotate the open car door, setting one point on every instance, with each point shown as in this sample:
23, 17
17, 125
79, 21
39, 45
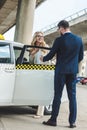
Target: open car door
34, 82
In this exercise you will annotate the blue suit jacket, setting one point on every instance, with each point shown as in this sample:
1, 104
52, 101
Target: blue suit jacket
69, 51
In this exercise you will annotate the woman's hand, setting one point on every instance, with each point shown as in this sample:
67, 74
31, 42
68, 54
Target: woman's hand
41, 58
33, 52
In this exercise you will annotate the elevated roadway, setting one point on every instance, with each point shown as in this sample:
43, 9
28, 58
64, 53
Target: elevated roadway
8, 11
78, 25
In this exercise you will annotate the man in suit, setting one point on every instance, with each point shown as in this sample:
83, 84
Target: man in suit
69, 52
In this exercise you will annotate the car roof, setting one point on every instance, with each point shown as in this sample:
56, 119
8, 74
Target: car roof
16, 44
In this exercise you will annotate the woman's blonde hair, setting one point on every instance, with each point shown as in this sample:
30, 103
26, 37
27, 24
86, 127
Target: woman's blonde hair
43, 44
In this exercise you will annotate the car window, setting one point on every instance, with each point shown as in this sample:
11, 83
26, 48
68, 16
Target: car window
17, 51
35, 59
5, 54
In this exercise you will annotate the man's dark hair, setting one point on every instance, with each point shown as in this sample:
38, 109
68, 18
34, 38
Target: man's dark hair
64, 24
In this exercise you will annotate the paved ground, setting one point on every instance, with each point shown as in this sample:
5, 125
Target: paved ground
24, 121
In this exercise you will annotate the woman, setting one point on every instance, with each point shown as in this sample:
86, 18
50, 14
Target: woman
38, 40
35, 53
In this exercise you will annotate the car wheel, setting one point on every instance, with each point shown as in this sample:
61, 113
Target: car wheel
82, 83
48, 110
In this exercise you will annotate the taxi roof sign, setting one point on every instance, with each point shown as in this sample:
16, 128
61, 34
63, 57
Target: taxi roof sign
2, 37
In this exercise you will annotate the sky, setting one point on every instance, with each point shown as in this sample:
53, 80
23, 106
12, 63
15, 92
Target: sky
52, 11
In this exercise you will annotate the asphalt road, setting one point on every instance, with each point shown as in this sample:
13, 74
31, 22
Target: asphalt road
21, 118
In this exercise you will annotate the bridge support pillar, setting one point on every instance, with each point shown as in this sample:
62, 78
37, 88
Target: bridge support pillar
24, 21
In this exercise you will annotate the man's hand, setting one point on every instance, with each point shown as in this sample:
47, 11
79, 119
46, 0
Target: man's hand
41, 58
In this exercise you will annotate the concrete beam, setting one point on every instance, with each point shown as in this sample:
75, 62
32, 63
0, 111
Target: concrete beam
8, 10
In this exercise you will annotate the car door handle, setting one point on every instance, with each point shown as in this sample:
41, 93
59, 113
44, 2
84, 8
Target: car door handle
9, 71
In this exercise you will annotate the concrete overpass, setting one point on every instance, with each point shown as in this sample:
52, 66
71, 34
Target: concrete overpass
78, 24
21, 13
8, 11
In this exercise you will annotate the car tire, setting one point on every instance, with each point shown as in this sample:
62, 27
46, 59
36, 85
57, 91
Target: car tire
82, 83
48, 110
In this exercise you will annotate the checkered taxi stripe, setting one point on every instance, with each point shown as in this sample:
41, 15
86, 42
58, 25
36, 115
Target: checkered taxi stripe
35, 67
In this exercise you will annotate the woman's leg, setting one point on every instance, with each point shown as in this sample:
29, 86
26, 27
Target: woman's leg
40, 112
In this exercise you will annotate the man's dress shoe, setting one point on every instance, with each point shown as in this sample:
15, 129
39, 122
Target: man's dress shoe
50, 123
72, 125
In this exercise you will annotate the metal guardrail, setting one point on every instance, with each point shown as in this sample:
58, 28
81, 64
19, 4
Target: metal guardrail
69, 18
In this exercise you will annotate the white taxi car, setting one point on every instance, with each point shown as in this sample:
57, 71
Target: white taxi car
23, 83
